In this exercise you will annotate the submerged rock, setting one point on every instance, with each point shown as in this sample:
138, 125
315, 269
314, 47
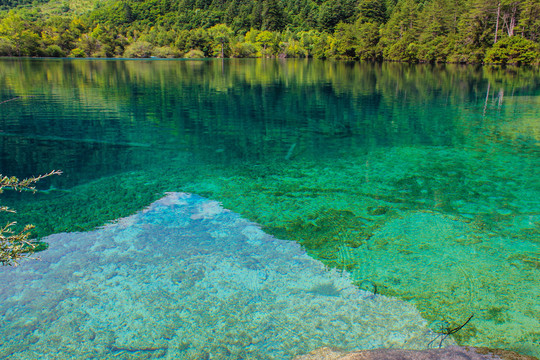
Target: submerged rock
187, 279
450, 353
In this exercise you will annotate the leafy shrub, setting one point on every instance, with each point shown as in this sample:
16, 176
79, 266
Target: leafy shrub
194, 54
166, 52
139, 49
7, 48
77, 53
54, 51
513, 50
466, 54
243, 50
293, 49
436, 50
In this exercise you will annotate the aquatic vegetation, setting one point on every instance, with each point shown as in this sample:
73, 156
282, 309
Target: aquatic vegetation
166, 283
377, 211
325, 229
85, 210
396, 250
432, 196
528, 259
497, 314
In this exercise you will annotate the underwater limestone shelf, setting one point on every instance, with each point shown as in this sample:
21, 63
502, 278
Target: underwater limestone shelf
449, 353
187, 279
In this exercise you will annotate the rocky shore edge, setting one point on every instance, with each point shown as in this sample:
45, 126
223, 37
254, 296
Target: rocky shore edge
450, 353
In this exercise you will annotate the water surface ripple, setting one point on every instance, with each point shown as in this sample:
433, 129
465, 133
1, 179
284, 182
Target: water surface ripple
421, 181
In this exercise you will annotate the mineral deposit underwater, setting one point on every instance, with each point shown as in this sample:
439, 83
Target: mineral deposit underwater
440, 232
187, 279
421, 182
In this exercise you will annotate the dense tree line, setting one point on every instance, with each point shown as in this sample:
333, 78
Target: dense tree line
467, 31
8, 4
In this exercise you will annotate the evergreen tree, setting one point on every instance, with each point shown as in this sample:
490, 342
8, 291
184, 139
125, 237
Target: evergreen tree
399, 35
529, 25
405, 30
478, 26
257, 15
372, 11
332, 12
273, 16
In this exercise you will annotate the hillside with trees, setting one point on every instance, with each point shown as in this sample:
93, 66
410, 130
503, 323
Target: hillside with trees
462, 31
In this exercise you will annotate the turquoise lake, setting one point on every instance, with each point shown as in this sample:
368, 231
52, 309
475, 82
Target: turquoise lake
284, 204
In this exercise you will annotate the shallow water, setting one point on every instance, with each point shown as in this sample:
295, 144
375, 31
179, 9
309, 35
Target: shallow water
187, 279
422, 182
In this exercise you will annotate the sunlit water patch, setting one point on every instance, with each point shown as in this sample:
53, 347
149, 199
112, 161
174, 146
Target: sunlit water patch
187, 279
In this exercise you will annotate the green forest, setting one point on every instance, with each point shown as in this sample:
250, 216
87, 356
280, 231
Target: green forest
434, 31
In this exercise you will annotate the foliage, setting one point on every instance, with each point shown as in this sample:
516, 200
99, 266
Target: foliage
333, 12
513, 50
273, 16
7, 48
54, 51
243, 50
14, 245
221, 35
467, 31
139, 49
166, 52
77, 53
194, 54
372, 11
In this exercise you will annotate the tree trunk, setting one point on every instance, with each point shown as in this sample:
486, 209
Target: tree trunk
497, 23
512, 20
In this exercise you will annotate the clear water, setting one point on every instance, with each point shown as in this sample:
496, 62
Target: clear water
187, 279
421, 182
